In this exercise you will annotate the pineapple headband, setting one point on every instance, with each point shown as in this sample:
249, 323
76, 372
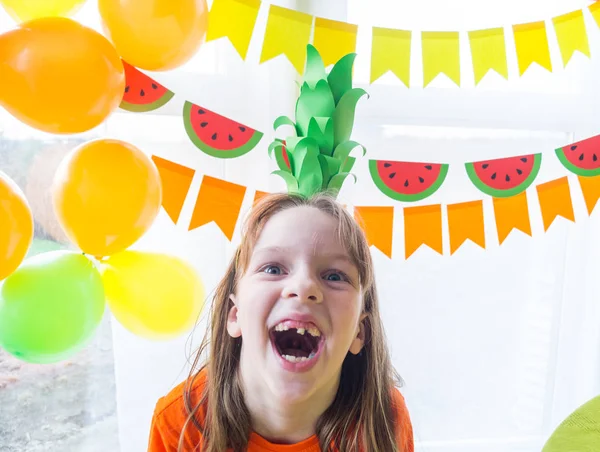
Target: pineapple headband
317, 157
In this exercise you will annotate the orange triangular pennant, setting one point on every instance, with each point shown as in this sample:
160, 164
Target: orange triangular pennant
423, 226
378, 224
555, 200
590, 186
465, 222
176, 181
219, 201
512, 213
258, 195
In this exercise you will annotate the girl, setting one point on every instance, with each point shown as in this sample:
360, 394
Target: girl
297, 360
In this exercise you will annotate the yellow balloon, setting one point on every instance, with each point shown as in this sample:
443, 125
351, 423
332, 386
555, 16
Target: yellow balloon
25, 10
153, 295
156, 35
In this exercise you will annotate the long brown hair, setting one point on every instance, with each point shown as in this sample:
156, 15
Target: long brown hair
361, 416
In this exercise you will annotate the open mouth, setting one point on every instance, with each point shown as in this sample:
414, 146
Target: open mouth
296, 343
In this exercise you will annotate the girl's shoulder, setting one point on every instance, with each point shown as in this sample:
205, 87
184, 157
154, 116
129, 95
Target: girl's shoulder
404, 429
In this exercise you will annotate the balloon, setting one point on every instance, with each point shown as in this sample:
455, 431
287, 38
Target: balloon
16, 226
153, 295
59, 76
25, 10
156, 35
50, 307
106, 194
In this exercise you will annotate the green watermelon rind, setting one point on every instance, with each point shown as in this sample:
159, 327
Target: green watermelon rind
143, 108
560, 153
213, 152
496, 193
405, 197
281, 164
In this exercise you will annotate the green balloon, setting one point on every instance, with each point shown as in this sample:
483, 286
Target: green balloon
50, 306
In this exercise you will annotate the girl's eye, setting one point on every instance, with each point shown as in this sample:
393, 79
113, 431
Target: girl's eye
336, 276
272, 270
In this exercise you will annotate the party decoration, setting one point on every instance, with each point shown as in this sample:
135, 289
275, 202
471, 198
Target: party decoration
531, 41
287, 33
59, 76
571, 35
555, 201
407, 181
465, 222
26, 10
511, 213
142, 93
106, 194
594, 9
378, 224
234, 19
505, 177
219, 201
590, 187
441, 55
153, 295
320, 146
488, 52
258, 195
581, 158
391, 52
580, 431
155, 35
334, 39
16, 226
423, 226
217, 135
175, 182
50, 307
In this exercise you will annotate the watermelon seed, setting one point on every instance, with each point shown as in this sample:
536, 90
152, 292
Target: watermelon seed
203, 124
243, 129
421, 179
142, 93
387, 165
573, 148
594, 158
494, 176
214, 137
507, 178
485, 165
519, 172
230, 138
581, 157
428, 167
524, 159
127, 89
200, 111
406, 183
154, 86
392, 175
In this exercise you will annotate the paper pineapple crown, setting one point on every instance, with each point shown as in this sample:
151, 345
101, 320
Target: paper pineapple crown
317, 157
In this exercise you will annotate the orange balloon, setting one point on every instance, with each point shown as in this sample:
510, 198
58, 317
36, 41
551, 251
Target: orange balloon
155, 35
106, 194
16, 226
59, 76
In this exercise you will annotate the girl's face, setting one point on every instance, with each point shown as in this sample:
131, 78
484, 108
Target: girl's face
297, 307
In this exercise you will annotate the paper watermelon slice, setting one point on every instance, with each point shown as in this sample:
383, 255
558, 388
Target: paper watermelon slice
506, 177
582, 158
217, 135
142, 93
407, 181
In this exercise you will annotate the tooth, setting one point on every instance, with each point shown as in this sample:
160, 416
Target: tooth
312, 355
304, 358
301, 331
314, 332
284, 327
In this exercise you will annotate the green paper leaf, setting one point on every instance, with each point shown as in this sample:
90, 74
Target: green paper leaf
343, 150
274, 146
284, 121
348, 165
289, 179
316, 102
321, 129
329, 167
308, 169
336, 182
340, 77
343, 117
315, 68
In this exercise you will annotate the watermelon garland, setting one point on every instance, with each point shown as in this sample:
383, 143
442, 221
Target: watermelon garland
142, 94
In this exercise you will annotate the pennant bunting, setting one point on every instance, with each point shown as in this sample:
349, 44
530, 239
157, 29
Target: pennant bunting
391, 52
235, 20
590, 187
258, 195
555, 200
378, 224
531, 41
287, 33
465, 222
595, 11
423, 226
441, 55
334, 39
488, 52
571, 35
219, 201
176, 181
512, 213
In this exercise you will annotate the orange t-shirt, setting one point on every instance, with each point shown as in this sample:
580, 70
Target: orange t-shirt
170, 416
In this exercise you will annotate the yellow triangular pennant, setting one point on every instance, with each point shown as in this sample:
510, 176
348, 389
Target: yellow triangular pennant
234, 19
531, 41
391, 52
441, 54
334, 39
488, 52
571, 35
287, 33
595, 11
